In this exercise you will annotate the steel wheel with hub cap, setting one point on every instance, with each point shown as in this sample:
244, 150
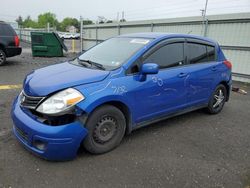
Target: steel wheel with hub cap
106, 126
2, 57
217, 100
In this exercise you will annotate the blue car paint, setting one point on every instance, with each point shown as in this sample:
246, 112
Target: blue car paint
65, 75
160, 94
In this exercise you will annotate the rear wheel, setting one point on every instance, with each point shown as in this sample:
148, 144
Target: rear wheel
2, 57
217, 100
106, 126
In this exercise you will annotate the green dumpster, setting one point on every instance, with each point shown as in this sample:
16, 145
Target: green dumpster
47, 44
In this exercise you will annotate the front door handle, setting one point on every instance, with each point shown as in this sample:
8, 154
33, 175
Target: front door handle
214, 68
182, 74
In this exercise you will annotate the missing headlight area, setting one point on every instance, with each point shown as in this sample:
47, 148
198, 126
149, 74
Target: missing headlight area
54, 120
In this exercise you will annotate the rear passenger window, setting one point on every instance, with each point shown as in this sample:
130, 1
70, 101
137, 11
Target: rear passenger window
6, 30
168, 56
199, 53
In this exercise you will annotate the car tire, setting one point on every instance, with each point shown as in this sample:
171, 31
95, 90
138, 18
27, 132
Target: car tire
2, 57
217, 99
106, 128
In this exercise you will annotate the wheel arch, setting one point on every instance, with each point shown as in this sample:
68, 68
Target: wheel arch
227, 86
121, 105
2, 47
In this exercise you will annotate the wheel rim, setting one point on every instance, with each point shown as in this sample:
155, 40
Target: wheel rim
105, 130
218, 98
1, 57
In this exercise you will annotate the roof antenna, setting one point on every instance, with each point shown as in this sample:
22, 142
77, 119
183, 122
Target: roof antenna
189, 32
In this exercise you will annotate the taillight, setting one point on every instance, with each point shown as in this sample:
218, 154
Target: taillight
228, 64
16, 41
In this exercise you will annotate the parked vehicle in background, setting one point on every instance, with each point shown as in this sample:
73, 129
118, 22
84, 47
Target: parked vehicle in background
77, 36
9, 42
117, 86
69, 35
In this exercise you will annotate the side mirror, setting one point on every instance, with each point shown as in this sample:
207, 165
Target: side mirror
148, 68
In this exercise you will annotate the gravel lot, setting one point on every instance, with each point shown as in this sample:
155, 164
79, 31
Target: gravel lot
191, 150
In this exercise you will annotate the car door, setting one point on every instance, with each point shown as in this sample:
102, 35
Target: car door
202, 71
164, 92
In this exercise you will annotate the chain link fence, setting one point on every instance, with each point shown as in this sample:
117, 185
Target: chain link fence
24, 33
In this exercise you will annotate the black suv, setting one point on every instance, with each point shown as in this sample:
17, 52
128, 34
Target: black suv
9, 42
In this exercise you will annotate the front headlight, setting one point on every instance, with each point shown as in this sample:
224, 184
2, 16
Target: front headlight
60, 102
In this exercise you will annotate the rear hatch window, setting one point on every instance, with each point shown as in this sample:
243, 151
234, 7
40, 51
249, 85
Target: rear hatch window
6, 30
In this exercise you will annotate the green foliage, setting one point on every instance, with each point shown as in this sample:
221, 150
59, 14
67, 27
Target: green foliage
87, 22
69, 22
48, 17
29, 23
44, 19
19, 20
122, 20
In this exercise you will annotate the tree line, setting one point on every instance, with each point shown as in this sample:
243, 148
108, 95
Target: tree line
48, 17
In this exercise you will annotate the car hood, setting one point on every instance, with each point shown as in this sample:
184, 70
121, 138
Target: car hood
47, 80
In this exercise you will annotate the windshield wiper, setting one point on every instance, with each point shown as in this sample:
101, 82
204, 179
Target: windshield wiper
98, 65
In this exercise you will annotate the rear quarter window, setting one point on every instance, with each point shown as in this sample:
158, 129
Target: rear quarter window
210, 53
6, 30
197, 53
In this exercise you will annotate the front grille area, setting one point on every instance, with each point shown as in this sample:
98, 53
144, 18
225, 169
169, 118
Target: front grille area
22, 134
29, 101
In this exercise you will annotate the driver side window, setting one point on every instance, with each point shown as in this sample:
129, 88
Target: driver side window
170, 55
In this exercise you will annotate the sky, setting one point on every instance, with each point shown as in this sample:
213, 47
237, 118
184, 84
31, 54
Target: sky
133, 9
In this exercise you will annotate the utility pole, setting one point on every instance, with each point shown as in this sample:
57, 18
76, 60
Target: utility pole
205, 10
48, 27
118, 16
204, 19
122, 15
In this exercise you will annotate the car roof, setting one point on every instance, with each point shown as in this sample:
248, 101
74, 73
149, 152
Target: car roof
161, 35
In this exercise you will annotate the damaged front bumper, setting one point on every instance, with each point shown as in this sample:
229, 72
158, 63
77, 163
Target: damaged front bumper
49, 142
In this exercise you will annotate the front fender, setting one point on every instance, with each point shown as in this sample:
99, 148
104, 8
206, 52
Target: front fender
104, 92
90, 105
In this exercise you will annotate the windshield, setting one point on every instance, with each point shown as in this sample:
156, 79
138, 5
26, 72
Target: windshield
112, 53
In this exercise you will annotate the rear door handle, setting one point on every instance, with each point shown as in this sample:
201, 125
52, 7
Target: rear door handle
182, 74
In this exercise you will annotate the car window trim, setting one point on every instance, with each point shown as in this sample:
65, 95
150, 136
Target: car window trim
155, 47
198, 41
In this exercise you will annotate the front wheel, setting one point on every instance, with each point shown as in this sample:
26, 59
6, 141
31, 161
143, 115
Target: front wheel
106, 126
217, 99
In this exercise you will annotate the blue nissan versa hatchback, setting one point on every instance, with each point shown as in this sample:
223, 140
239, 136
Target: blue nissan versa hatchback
119, 85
